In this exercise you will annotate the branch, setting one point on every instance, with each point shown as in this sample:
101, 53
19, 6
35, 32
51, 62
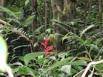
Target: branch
3, 22
89, 65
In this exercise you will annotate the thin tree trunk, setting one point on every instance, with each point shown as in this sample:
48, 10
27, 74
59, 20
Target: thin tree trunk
1, 4
100, 5
46, 13
34, 23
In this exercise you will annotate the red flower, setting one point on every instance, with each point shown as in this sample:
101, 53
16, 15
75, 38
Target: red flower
47, 48
45, 42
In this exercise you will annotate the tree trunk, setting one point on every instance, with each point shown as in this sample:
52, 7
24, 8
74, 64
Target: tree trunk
1, 4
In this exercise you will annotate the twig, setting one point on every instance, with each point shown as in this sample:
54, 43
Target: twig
21, 46
89, 65
3, 22
86, 29
76, 75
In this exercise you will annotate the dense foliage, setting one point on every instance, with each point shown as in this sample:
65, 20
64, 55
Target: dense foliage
54, 38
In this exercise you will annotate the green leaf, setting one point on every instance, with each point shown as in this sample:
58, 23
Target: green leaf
40, 59
24, 70
31, 56
99, 68
28, 21
59, 63
79, 62
7, 11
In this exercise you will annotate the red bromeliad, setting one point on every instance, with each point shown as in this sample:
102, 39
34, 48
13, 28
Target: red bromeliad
45, 42
47, 48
